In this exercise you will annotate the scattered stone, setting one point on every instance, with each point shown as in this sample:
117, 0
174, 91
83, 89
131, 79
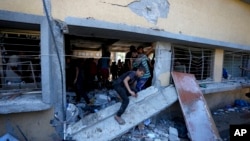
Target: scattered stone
151, 135
173, 131
173, 134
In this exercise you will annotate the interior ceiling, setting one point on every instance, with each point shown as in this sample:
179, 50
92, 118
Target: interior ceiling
117, 40
19, 25
125, 38
95, 44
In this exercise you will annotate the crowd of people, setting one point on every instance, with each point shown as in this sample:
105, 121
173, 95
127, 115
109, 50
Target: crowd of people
128, 77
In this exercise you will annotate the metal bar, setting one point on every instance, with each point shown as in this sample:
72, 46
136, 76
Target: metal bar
202, 57
200, 124
190, 60
33, 75
1, 68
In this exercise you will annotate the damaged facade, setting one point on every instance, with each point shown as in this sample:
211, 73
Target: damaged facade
199, 36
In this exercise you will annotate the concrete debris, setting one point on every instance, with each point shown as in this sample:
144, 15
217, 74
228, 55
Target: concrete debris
239, 106
173, 134
100, 99
72, 113
160, 131
102, 123
173, 131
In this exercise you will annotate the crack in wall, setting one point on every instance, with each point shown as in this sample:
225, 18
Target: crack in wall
115, 4
150, 10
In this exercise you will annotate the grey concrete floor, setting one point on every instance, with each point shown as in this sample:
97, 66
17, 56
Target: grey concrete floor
225, 119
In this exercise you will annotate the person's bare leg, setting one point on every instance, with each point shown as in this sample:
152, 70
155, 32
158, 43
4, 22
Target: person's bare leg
119, 120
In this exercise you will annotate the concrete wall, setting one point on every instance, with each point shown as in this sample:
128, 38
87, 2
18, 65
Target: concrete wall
161, 73
218, 65
196, 18
218, 20
24, 6
221, 99
215, 19
35, 126
214, 101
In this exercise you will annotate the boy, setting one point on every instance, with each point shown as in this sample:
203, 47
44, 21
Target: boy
124, 86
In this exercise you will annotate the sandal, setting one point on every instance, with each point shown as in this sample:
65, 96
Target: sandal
119, 120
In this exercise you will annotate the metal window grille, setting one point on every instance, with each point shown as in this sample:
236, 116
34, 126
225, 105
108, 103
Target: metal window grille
232, 62
20, 68
197, 61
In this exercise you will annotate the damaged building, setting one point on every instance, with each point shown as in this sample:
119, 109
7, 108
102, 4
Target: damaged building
199, 47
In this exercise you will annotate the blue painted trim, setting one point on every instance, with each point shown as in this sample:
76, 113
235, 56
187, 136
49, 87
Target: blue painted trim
20, 17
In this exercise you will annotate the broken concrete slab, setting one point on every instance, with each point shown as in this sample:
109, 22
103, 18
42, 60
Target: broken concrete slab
98, 126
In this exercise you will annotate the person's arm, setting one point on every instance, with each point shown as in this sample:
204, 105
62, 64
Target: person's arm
125, 81
130, 64
150, 50
244, 68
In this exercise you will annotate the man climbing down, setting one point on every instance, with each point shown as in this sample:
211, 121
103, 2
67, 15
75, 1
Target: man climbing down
125, 87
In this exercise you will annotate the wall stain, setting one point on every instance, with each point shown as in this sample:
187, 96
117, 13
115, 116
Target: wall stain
150, 10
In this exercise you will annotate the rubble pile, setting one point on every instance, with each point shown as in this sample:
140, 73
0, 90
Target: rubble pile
100, 99
162, 130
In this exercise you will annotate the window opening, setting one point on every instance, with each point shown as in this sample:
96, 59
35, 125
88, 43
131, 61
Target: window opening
90, 52
232, 63
193, 60
20, 68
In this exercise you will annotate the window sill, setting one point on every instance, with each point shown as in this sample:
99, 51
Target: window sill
224, 86
23, 103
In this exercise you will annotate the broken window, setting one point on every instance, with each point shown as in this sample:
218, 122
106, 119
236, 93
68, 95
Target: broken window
90, 52
232, 62
20, 69
197, 61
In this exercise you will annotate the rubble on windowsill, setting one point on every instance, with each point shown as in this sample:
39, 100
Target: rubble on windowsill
208, 86
239, 106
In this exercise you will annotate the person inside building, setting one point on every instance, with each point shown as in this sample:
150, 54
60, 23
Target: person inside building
91, 73
128, 62
142, 60
103, 66
179, 67
79, 82
120, 69
114, 70
125, 87
13, 71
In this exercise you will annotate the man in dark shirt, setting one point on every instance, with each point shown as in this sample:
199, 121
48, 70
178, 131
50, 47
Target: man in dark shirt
128, 57
125, 87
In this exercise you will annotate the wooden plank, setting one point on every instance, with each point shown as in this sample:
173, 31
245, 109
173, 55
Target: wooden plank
199, 122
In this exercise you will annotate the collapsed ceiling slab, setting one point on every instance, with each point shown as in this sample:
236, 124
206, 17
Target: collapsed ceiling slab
99, 125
